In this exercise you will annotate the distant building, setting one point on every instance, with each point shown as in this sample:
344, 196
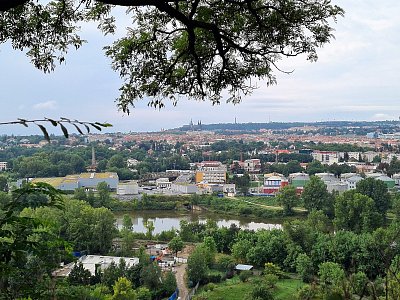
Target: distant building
130, 187
131, 162
163, 183
83, 180
96, 262
396, 178
305, 151
3, 165
327, 177
184, 188
351, 179
370, 155
272, 184
337, 186
390, 183
352, 156
388, 157
332, 182
326, 157
210, 172
229, 189
249, 165
252, 165
299, 180
91, 180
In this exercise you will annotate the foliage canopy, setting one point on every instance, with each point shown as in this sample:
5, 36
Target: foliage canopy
195, 49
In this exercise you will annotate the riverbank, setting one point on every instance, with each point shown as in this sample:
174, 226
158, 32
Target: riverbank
253, 207
167, 220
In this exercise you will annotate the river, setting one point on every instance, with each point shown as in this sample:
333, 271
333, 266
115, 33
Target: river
166, 220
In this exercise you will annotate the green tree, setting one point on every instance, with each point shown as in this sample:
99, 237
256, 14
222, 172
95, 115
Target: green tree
103, 194
304, 267
269, 247
315, 195
396, 205
359, 282
209, 250
242, 183
355, 212
315, 167
149, 225
169, 283
29, 249
151, 276
293, 166
111, 274
90, 198
332, 278
197, 265
127, 222
378, 191
176, 244
173, 48
80, 194
288, 198
376, 159
240, 250
116, 161
3, 184
79, 275
123, 290
127, 236
143, 293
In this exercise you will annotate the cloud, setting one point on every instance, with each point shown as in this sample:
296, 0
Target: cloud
383, 117
48, 105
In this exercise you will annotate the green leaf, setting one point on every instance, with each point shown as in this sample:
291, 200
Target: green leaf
64, 130
45, 133
53, 122
96, 126
104, 124
87, 127
77, 128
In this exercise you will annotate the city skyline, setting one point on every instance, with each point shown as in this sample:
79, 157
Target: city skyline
355, 78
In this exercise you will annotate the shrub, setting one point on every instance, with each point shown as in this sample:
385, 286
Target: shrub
214, 277
210, 287
271, 280
244, 275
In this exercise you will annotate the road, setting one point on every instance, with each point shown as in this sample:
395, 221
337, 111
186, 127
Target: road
180, 276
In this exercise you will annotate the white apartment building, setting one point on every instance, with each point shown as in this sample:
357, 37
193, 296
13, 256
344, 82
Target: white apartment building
210, 172
326, 157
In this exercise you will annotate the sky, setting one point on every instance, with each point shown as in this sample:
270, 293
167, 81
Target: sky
355, 78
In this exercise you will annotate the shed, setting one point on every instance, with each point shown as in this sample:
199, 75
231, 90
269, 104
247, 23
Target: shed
241, 267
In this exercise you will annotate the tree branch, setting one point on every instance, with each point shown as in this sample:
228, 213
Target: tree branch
9, 4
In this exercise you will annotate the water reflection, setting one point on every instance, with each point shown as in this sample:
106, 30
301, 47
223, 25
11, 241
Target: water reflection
167, 220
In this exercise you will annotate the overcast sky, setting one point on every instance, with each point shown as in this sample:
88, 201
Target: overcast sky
357, 77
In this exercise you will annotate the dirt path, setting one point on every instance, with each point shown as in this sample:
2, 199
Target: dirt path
180, 281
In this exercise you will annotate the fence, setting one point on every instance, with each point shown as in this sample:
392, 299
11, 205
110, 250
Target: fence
192, 292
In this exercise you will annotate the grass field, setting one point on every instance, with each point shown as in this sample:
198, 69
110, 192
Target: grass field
234, 289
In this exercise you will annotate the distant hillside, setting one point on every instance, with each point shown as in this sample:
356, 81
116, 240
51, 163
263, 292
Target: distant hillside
249, 127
